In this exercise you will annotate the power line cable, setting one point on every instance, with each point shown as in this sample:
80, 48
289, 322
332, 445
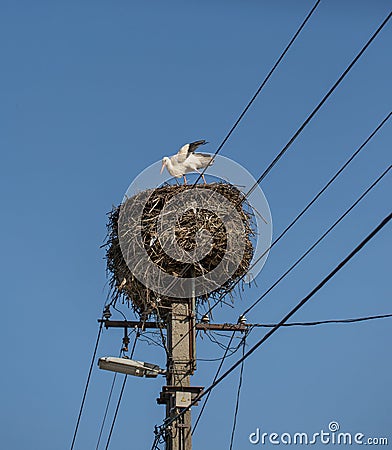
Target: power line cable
299, 260
111, 388
359, 199
322, 283
217, 342
264, 82
87, 385
321, 322
106, 410
157, 441
308, 119
163, 339
107, 405
314, 199
269, 168
295, 264
301, 324
215, 378
312, 247
321, 191
237, 403
217, 359
120, 396
317, 108
253, 99
116, 411
305, 123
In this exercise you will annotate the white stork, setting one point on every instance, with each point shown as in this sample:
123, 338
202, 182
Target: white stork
186, 160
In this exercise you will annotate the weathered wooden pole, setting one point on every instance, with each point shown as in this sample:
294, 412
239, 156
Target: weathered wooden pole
180, 367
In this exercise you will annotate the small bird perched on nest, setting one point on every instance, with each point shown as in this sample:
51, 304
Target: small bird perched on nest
186, 160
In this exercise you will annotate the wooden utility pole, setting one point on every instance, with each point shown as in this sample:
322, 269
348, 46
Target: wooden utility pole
180, 367
181, 364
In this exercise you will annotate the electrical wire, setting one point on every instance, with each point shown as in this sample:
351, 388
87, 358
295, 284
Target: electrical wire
264, 82
269, 168
120, 396
321, 322
119, 311
157, 440
106, 410
304, 210
87, 385
150, 340
321, 191
319, 286
296, 263
309, 118
359, 199
296, 219
163, 339
340, 79
251, 190
317, 108
215, 378
237, 402
233, 352
215, 341
188, 266
116, 411
111, 387
108, 402
299, 324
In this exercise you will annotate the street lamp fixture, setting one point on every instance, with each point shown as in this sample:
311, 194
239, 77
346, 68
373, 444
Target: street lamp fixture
130, 367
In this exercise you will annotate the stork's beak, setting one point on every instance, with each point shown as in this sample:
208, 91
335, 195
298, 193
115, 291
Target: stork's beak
163, 165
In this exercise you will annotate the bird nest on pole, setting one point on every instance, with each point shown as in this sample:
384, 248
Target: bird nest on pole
138, 250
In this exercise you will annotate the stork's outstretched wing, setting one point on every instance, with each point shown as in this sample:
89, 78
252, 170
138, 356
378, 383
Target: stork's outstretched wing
188, 149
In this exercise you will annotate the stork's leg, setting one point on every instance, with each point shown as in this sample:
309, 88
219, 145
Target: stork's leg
185, 183
202, 175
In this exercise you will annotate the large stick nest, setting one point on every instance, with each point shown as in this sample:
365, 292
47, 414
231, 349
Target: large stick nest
126, 287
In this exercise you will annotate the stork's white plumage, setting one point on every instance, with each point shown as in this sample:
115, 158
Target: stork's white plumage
186, 160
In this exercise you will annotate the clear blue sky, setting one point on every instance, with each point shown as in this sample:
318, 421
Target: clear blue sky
92, 92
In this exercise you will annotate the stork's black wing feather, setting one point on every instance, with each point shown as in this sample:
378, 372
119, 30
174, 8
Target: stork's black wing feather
194, 145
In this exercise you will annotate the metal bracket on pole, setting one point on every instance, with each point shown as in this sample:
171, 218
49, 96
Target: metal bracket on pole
198, 326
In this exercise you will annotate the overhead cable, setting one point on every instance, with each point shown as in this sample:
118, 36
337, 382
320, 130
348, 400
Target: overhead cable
322, 322
215, 378
322, 283
87, 385
120, 396
237, 402
357, 201
274, 67
320, 104
301, 214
